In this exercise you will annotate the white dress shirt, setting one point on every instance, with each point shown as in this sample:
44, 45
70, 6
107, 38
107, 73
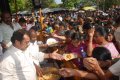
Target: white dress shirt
15, 65
35, 54
6, 32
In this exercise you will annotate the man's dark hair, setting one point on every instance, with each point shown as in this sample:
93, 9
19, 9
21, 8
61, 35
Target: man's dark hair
101, 30
77, 36
18, 35
101, 53
22, 20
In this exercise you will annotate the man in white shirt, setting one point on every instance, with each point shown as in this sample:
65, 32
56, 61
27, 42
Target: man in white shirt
36, 54
7, 27
17, 63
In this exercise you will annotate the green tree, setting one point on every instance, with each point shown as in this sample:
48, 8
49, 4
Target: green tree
48, 4
28, 5
20, 5
73, 3
106, 4
69, 3
102, 4
88, 2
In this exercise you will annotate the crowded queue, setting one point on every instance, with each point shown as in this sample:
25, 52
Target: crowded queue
93, 40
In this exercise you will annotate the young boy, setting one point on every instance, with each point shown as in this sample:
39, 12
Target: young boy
35, 52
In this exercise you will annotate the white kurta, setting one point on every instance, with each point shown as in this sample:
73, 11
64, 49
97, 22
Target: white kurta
6, 32
35, 54
15, 65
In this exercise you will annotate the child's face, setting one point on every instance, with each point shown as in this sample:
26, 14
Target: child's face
33, 37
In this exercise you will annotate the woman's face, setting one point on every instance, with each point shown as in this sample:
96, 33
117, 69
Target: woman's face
97, 38
109, 37
76, 43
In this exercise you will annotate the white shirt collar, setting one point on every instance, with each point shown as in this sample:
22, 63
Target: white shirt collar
16, 49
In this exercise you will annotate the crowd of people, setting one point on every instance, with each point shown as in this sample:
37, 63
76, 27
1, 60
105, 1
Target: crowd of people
93, 38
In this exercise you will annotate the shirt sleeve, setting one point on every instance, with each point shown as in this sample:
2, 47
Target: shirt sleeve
41, 56
115, 69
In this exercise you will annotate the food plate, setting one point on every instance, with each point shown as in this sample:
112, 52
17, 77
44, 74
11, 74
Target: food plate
52, 42
49, 73
69, 56
49, 77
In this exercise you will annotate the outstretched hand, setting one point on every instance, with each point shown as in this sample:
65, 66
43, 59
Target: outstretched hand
56, 55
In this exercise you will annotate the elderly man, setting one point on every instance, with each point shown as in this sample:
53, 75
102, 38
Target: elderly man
7, 27
16, 62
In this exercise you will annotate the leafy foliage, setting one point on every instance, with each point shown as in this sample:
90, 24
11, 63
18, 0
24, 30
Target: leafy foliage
27, 4
20, 5
70, 3
48, 4
106, 4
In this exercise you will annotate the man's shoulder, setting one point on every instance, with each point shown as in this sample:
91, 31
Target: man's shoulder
9, 54
2, 25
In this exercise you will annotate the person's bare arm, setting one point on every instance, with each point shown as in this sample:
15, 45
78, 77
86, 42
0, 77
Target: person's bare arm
60, 37
90, 42
87, 75
54, 55
93, 65
68, 72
